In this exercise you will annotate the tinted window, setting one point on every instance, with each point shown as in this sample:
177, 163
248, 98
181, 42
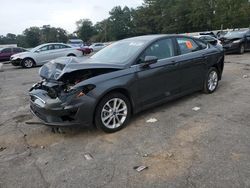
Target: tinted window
202, 44
6, 50
99, 45
161, 49
64, 46
45, 48
57, 46
235, 34
187, 45
60, 46
17, 50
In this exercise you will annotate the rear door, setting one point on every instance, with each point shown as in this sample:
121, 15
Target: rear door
161, 80
192, 63
58, 51
66, 50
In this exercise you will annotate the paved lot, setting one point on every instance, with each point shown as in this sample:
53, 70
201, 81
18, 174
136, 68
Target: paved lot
184, 148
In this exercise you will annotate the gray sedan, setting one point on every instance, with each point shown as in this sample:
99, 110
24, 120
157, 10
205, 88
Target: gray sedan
127, 77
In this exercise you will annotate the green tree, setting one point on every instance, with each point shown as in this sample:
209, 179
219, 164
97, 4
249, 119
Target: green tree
85, 29
32, 36
52, 34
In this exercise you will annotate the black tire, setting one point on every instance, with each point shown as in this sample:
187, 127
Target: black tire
28, 63
207, 82
99, 112
242, 49
71, 55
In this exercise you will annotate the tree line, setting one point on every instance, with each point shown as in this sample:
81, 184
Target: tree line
152, 17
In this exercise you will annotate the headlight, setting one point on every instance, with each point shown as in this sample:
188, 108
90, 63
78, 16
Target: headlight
84, 90
236, 41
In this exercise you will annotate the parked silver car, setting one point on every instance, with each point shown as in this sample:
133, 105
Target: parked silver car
43, 54
97, 47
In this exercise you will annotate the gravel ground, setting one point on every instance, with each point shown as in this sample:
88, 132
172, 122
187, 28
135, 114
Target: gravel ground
184, 148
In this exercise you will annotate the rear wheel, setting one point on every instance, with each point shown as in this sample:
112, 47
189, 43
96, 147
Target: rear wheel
113, 112
211, 81
28, 63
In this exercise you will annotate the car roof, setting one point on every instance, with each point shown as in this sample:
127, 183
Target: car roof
152, 38
239, 30
75, 40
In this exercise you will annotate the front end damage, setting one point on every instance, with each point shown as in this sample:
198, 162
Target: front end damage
63, 97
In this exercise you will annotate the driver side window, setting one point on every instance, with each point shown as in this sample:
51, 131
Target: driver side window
161, 49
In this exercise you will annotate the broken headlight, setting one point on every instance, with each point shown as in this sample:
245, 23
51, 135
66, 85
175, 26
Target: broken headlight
81, 91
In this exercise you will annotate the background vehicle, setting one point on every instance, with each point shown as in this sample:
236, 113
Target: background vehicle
97, 47
214, 41
43, 54
75, 42
236, 41
210, 33
127, 77
86, 50
6, 53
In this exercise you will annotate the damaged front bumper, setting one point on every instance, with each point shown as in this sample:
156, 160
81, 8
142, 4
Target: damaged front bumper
55, 112
16, 62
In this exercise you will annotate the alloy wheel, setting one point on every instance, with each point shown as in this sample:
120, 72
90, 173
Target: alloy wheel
212, 80
242, 49
114, 113
28, 63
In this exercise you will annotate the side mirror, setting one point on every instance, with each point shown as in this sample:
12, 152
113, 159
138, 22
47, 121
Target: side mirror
148, 60
37, 51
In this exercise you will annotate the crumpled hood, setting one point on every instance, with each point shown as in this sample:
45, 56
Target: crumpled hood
55, 69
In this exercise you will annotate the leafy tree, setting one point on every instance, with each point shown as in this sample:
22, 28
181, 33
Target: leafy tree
52, 34
85, 29
32, 36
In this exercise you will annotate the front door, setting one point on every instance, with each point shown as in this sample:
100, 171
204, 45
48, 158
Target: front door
161, 80
45, 54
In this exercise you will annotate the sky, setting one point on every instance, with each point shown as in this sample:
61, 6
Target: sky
17, 15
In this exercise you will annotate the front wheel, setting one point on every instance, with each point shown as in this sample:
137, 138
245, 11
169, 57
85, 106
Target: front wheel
28, 63
242, 49
113, 113
211, 81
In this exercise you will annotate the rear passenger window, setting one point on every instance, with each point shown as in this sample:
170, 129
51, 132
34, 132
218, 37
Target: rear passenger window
203, 45
161, 49
17, 50
187, 45
57, 46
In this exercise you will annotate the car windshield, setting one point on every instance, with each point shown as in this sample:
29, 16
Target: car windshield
119, 52
235, 34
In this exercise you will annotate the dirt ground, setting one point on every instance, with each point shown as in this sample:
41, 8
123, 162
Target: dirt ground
184, 148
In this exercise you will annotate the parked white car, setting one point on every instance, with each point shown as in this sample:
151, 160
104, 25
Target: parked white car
97, 47
43, 54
